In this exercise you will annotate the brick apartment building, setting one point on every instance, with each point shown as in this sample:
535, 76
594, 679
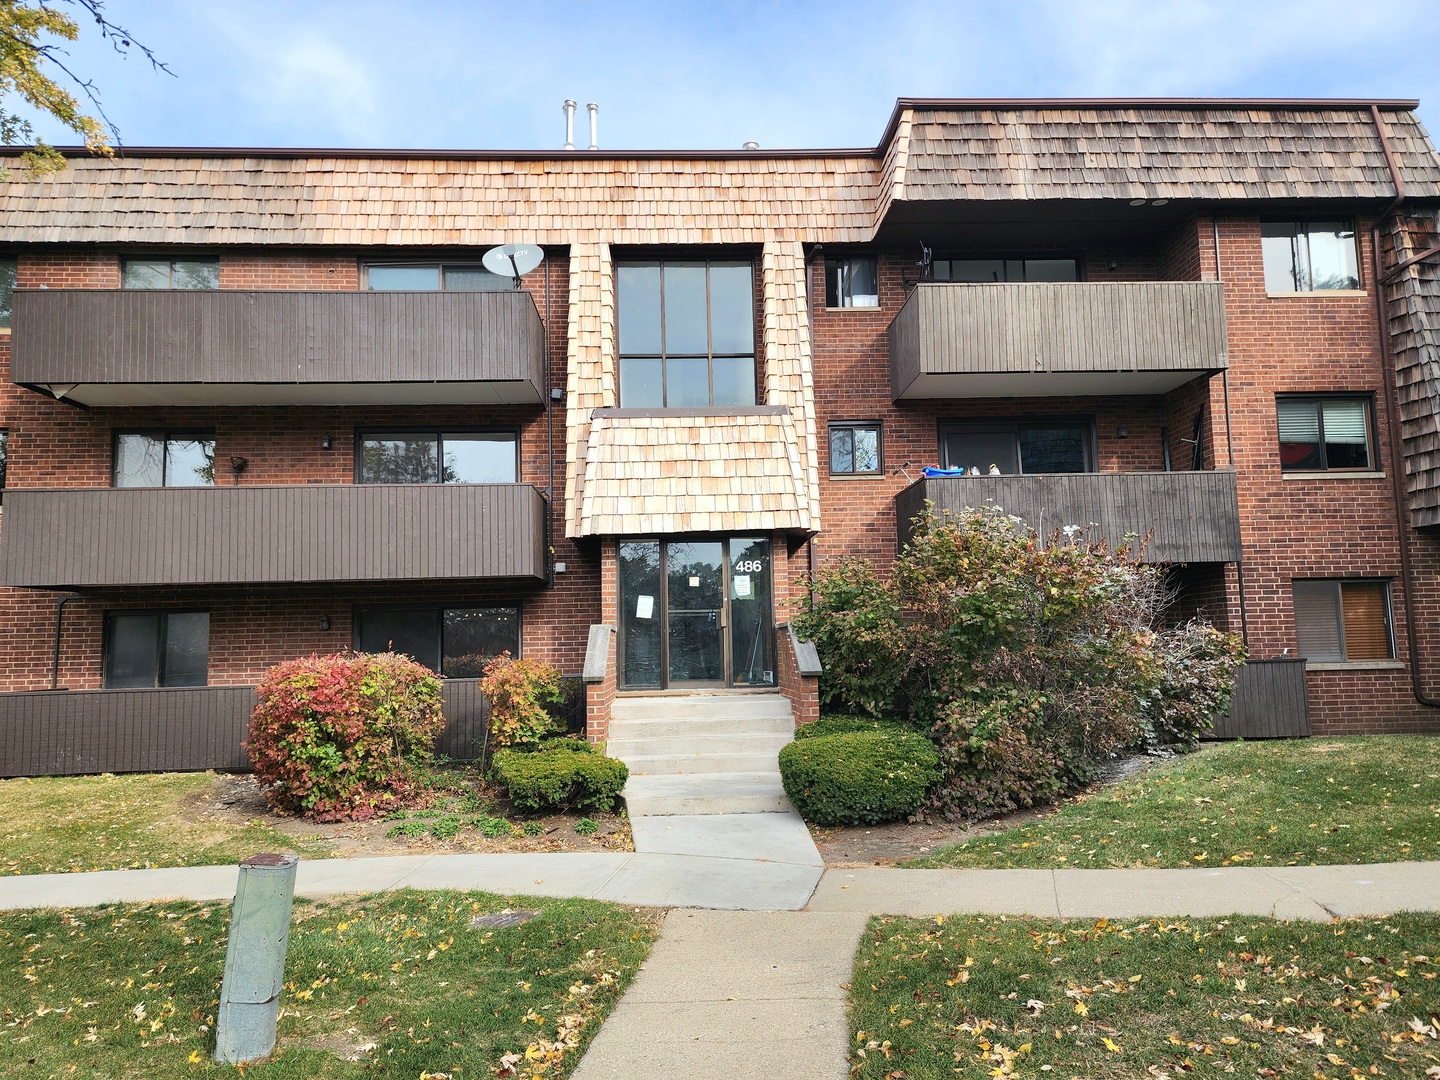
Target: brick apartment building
261, 403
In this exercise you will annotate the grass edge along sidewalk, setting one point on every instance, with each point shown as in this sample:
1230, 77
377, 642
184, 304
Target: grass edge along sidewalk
982, 996
1317, 802
403, 980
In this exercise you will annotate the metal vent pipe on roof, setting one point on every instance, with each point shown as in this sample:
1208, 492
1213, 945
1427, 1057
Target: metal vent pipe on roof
594, 112
569, 108
751, 145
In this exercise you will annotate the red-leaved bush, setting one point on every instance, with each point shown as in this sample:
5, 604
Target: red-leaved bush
344, 737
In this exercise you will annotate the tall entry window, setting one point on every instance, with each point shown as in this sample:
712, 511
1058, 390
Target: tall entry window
687, 333
696, 613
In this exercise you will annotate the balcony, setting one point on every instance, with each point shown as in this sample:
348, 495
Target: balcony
122, 347
954, 340
107, 537
1190, 516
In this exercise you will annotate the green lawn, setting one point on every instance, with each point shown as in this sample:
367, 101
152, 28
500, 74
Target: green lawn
56, 824
974, 996
400, 983
1302, 802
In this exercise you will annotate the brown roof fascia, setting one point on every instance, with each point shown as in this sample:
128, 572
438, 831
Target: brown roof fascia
1299, 104
290, 153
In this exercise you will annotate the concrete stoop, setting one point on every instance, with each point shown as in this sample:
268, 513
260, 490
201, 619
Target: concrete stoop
702, 753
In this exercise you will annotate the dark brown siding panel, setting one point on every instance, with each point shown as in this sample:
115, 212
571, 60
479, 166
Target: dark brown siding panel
1270, 703
233, 336
949, 328
1190, 516
72, 732
311, 533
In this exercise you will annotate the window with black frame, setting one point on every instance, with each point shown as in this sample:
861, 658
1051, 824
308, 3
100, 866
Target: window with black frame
996, 271
156, 649
1309, 256
437, 457
455, 642
1009, 448
434, 277
9, 267
163, 272
1323, 434
852, 281
1343, 622
4, 458
687, 333
151, 459
855, 448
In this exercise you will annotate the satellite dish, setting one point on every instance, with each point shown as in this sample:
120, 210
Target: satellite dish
513, 260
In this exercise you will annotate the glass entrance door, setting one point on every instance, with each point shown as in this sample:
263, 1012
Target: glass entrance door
696, 613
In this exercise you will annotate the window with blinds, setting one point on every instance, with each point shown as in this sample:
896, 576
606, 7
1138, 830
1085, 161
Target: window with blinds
1319, 434
1343, 621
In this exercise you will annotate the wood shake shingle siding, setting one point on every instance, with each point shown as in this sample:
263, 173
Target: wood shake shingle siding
167, 339
1190, 516
300, 534
1413, 311
181, 729
1158, 151
1174, 328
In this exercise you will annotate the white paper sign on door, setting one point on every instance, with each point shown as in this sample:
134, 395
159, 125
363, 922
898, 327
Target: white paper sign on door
742, 586
645, 607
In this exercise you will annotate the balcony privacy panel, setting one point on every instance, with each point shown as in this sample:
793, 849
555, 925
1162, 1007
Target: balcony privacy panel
230, 346
1191, 516
97, 537
69, 732
1270, 703
1144, 337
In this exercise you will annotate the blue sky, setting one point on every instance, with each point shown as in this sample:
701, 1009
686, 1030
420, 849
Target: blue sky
682, 75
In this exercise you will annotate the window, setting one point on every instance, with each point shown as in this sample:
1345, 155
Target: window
855, 449
456, 642
4, 456
164, 273
1341, 621
1008, 448
438, 457
164, 459
156, 648
687, 333
8, 267
1324, 433
996, 270
852, 282
432, 277
1308, 256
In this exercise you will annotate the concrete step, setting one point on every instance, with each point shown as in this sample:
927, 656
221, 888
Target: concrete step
700, 706
707, 793
700, 727
688, 745
670, 764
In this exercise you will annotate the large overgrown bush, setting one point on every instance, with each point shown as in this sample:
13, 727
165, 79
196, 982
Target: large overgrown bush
859, 777
564, 774
518, 691
1029, 662
344, 737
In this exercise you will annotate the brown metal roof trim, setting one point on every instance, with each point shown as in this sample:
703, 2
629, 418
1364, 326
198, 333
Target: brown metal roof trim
291, 153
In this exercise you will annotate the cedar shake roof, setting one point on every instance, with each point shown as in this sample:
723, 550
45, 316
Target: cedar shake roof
1217, 151
931, 150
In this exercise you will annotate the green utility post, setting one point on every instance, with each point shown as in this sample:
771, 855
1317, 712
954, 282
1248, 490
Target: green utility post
255, 959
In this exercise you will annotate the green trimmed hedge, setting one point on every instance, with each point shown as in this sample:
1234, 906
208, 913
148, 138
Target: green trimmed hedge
840, 724
859, 777
564, 774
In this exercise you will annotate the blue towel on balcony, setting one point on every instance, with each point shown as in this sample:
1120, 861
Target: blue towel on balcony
932, 471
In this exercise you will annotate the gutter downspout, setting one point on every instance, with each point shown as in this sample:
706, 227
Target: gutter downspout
55, 663
1392, 415
1229, 451
549, 443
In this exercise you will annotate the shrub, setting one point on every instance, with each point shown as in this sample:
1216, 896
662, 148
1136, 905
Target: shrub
587, 826
1195, 684
563, 774
518, 691
492, 827
859, 777
854, 622
840, 724
990, 762
344, 737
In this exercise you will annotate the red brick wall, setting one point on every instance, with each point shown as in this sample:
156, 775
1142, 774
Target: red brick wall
56, 445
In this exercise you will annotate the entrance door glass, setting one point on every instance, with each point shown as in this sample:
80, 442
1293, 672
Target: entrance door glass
752, 634
695, 594
642, 615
